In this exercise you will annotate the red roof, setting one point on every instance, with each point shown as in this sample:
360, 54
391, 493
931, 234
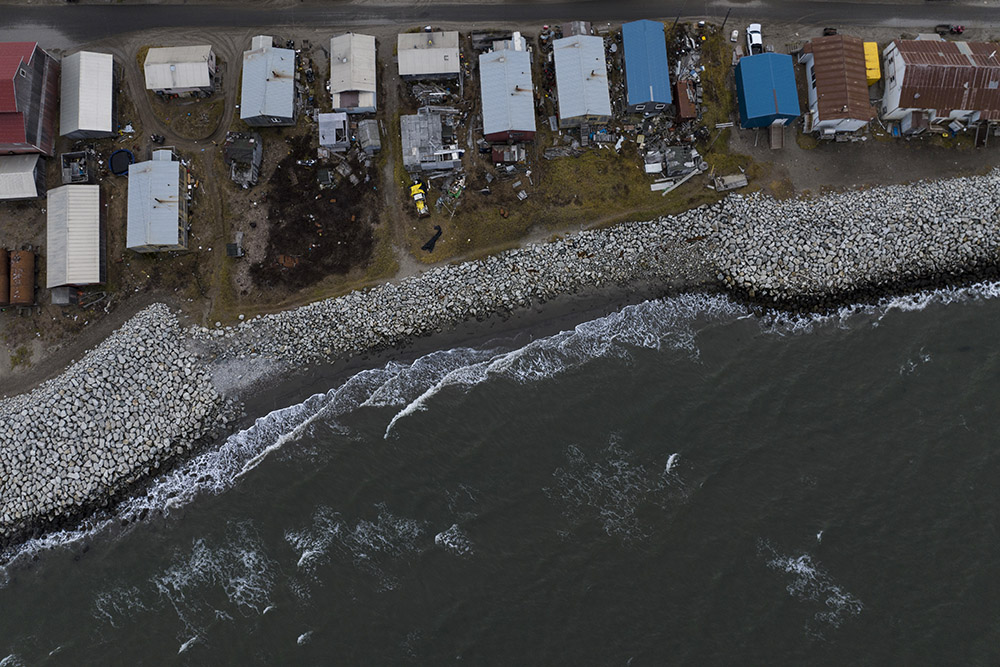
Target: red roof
951, 75
12, 54
12, 128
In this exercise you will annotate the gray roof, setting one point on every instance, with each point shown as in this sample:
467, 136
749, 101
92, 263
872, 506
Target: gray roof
178, 67
581, 76
329, 123
154, 191
268, 83
17, 176
422, 141
508, 99
73, 236
427, 53
87, 92
352, 67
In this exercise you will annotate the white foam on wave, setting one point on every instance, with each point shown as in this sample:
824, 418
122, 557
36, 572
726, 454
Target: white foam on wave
188, 644
454, 540
11, 660
304, 638
810, 582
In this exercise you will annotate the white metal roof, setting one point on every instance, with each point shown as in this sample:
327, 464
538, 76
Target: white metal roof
581, 76
178, 67
268, 83
17, 176
73, 236
329, 123
87, 92
352, 67
505, 84
154, 189
427, 53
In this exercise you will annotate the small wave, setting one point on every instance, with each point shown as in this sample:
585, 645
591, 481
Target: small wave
810, 582
188, 644
455, 540
11, 660
304, 638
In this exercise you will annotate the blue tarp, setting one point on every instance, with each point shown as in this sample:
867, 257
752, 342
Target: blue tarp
647, 72
765, 87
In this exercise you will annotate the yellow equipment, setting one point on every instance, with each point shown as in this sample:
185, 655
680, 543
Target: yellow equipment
871, 62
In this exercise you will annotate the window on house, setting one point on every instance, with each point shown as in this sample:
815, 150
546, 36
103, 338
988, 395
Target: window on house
640, 107
23, 72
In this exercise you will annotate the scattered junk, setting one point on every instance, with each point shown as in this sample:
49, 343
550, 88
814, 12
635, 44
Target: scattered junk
235, 249
429, 140
682, 160
432, 241
326, 179
420, 200
4, 277
653, 162
243, 152
22, 278
522, 195
508, 154
288, 261
22, 176
687, 100
157, 139
369, 137
430, 94
333, 132
77, 167
352, 73
733, 182
554, 152
119, 162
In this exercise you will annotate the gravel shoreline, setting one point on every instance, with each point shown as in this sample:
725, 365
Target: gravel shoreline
153, 391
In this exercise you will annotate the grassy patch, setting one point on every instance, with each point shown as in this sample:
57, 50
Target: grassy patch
806, 141
383, 262
22, 355
191, 118
716, 56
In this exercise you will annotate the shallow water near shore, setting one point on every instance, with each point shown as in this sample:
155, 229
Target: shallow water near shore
678, 482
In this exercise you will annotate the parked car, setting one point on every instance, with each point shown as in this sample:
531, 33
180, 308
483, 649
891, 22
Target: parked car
755, 44
735, 37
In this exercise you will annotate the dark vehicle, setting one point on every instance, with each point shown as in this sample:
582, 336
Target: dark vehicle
157, 138
947, 29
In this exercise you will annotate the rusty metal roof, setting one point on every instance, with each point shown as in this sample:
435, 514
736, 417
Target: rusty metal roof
841, 78
946, 76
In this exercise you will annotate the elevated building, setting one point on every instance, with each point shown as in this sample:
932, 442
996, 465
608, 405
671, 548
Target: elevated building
180, 70
837, 84
157, 204
352, 73
765, 90
267, 95
507, 95
581, 81
29, 99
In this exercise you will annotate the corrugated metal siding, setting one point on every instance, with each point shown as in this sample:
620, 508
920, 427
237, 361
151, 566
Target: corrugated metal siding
154, 206
948, 76
178, 67
841, 78
87, 100
268, 84
428, 54
647, 72
17, 176
507, 93
581, 77
73, 235
352, 68
765, 88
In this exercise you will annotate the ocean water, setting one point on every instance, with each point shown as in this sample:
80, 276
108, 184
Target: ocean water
680, 482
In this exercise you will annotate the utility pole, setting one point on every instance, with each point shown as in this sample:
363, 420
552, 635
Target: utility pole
723, 28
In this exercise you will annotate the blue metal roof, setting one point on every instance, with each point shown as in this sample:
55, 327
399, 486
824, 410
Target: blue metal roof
646, 70
765, 86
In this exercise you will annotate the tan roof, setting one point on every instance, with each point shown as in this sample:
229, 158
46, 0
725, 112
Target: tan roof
946, 76
841, 78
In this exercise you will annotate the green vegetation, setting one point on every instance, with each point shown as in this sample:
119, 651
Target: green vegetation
22, 355
717, 84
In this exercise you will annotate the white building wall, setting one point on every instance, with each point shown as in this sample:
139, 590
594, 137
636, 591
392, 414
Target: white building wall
894, 69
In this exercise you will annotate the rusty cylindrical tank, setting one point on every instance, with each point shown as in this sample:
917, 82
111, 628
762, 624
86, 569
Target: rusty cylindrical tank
4, 277
22, 278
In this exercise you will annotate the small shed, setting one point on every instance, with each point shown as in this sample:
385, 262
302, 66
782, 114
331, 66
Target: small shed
87, 105
334, 132
352, 73
74, 237
157, 205
369, 136
267, 96
22, 278
507, 95
243, 152
22, 176
582, 81
765, 90
647, 72
428, 55
180, 70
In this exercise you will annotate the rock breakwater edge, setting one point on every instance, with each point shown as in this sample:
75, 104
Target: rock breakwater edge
151, 392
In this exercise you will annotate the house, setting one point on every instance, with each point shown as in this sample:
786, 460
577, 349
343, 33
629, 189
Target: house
428, 55
352, 73
267, 96
369, 137
837, 84
429, 141
243, 152
765, 90
157, 204
581, 81
87, 105
942, 81
507, 95
29, 98
75, 237
22, 176
180, 70
334, 132
647, 72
